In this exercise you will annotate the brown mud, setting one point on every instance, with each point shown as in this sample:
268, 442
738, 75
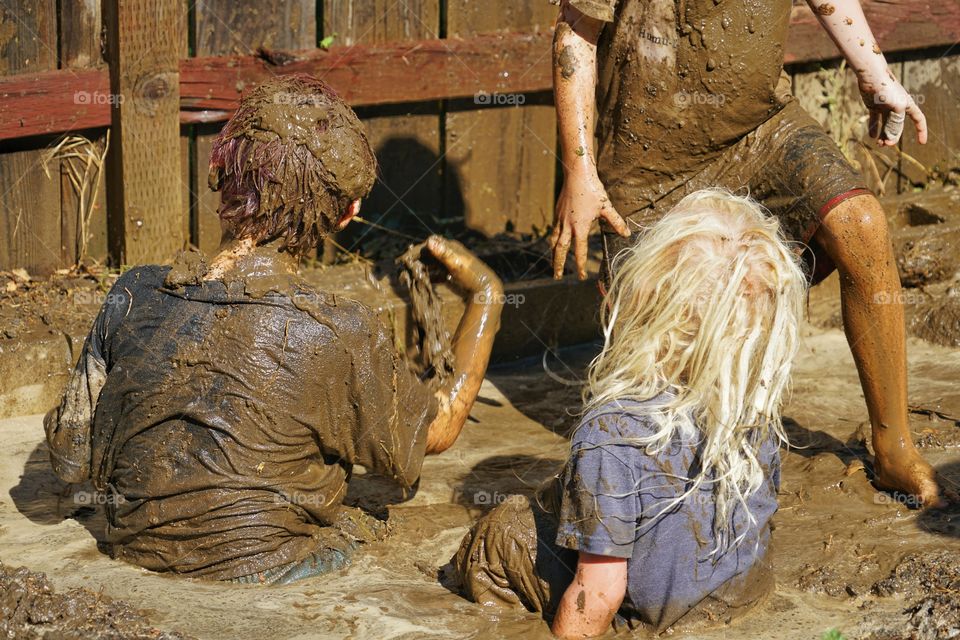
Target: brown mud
30, 607
425, 307
836, 544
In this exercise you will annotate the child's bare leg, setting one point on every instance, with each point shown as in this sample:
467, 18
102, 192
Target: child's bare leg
855, 236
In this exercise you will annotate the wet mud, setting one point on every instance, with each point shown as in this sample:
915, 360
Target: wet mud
839, 546
30, 607
432, 338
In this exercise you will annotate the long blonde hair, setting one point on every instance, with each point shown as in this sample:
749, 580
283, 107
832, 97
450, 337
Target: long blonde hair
706, 307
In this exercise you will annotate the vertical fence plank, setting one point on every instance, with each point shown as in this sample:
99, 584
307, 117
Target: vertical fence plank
29, 199
935, 85
407, 141
226, 27
144, 45
506, 155
80, 30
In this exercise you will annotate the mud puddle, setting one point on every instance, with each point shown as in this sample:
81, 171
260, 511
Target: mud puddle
846, 557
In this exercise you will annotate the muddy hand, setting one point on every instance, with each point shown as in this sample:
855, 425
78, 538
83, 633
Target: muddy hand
466, 269
890, 105
914, 477
582, 201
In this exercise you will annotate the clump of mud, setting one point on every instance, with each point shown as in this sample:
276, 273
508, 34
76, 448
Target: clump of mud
66, 301
931, 581
31, 608
923, 573
939, 321
425, 307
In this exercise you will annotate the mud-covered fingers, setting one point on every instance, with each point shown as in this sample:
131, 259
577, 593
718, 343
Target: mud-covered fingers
560, 248
580, 246
615, 220
448, 253
919, 121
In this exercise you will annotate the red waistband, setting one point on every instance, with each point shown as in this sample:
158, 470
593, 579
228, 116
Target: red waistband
833, 202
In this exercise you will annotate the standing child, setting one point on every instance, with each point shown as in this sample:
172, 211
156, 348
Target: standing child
663, 509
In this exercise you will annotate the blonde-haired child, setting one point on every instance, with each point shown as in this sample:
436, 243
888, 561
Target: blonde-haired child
663, 509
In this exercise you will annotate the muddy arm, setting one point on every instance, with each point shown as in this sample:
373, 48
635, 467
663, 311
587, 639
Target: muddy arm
588, 605
583, 198
69, 426
472, 340
886, 99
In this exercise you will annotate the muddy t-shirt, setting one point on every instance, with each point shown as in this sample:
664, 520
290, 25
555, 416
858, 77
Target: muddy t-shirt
618, 499
225, 424
679, 81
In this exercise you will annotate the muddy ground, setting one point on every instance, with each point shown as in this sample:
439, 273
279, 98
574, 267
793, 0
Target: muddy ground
848, 558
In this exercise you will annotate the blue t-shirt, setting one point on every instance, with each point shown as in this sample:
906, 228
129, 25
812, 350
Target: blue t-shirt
618, 500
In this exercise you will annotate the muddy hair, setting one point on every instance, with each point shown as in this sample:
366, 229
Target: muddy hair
289, 163
705, 311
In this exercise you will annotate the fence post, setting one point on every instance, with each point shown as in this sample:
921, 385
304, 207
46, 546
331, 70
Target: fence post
143, 51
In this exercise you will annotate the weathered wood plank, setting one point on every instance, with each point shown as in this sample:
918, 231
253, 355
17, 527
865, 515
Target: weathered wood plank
833, 99
407, 142
229, 27
43, 103
935, 85
363, 74
506, 157
29, 199
144, 44
81, 26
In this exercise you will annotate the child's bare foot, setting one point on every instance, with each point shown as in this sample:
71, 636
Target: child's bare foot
908, 473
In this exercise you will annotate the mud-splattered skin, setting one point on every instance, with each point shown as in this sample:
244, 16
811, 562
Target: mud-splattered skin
855, 235
472, 341
574, 79
888, 102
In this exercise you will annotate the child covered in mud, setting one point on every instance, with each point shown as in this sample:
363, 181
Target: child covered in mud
222, 408
662, 512
657, 99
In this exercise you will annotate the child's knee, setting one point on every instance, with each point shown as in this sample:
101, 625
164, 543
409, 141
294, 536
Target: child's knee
854, 229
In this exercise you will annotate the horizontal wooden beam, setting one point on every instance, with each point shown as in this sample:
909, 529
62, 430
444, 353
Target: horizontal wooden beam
384, 74
69, 100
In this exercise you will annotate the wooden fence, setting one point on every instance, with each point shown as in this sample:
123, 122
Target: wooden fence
455, 95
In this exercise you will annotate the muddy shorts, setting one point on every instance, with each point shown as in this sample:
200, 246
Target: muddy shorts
789, 164
509, 558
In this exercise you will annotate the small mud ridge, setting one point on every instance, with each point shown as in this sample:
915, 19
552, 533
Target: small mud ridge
30, 608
